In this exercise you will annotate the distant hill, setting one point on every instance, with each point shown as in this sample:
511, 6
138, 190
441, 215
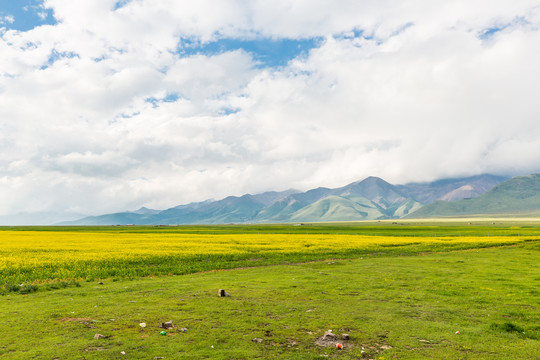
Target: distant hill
369, 199
519, 195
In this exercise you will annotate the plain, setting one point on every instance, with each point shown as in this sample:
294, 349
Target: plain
407, 290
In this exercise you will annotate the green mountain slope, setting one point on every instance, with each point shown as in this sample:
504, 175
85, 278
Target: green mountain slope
518, 195
337, 208
283, 209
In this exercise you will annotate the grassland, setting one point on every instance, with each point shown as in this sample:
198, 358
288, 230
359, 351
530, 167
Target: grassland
401, 290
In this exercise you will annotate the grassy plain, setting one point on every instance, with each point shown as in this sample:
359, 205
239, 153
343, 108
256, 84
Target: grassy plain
400, 289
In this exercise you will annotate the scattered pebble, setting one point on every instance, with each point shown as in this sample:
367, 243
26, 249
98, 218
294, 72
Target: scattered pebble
257, 340
99, 336
143, 325
123, 352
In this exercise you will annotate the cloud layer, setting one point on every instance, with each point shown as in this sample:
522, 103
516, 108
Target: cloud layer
107, 110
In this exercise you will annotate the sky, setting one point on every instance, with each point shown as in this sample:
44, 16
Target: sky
110, 105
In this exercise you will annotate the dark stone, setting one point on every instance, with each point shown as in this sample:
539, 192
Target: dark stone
223, 293
167, 325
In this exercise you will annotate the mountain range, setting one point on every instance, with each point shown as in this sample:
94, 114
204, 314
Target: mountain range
369, 199
517, 196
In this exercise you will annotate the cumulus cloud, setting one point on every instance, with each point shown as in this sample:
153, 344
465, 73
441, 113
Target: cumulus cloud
105, 111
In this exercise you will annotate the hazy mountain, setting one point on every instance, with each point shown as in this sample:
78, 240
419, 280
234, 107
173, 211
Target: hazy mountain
369, 199
451, 189
519, 195
37, 218
122, 218
372, 198
145, 211
232, 209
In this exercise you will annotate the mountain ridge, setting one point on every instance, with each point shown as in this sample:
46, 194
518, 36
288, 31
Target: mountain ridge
369, 199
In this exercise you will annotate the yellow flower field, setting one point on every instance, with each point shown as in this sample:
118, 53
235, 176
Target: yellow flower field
41, 256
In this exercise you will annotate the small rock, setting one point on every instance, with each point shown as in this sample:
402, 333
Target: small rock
223, 293
167, 325
99, 336
257, 340
386, 347
328, 335
143, 325
100, 283
183, 329
345, 337
123, 352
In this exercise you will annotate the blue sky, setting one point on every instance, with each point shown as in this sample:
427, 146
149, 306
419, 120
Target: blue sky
25, 15
116, 105
267, 52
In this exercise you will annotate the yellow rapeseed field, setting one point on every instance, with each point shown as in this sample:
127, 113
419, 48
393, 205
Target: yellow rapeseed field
38, 256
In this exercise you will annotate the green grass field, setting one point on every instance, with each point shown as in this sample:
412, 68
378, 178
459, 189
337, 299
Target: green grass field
402, 299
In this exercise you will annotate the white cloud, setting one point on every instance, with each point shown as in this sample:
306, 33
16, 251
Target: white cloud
7, 19
99, 112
